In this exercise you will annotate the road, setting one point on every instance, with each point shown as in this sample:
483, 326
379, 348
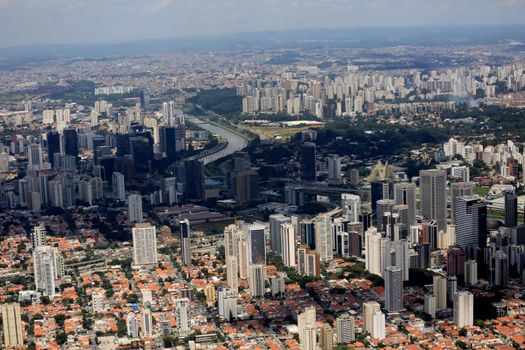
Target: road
235, 142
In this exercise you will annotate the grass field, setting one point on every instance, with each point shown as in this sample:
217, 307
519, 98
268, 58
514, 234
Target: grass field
481, 191
270, 133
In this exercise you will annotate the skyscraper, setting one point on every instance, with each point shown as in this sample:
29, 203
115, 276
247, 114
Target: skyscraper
511, 209
48, 266
379, 190
245, 185
345, 328
135, 208
455, 260
34, 156
334, 169
499, 269
12, 325
463, 309
185, 239
324, 237
378, 325
227, 304
326, 337
471, 272
471, 222
275, 221
141, 148
307, 328
132, 325
369, 309
144, 245
434, 196
393, 289
288, 244
458, 189
71, 143
351, 205
440, 292
194, 180
405, 193
147, 323
308, 155
118, 186
256, 280
38, 236
182, 309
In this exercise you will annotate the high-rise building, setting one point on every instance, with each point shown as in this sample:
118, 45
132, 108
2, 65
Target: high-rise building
256, 280
378, 325
211, 294
351, 205
227, 304
307, 328
308, 167
440, 291
459, 189
194, 180
34, 157
455, 260
499, 269
471, 222
402, 250
182, 309
324, 237
434, 196
393, 289
38, 236
471, 272
245, 185
71, 143
185, 240
308, 262
288, 244
379, 190
430, 305
135, 208
511, 209
118, 186
147, 323
345, 328
144, 245
377, 252
48, 266
132, 325
326, 337
12, 326
369, 309
275, 221
405, 193
463, 309
257, 244
334, 169
141, 150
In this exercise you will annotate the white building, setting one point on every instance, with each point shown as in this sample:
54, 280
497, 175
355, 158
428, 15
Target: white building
144, 245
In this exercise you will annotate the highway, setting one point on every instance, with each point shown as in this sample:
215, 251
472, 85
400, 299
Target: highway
235, 142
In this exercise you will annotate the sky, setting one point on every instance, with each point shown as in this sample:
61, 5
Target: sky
28, 22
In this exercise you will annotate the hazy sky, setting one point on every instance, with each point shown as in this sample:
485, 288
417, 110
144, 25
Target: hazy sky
25, 22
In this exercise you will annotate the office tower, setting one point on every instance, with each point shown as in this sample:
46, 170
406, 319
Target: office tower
471, 222
369, 309
326, 337
511, 209
245, 185
12, 325
308, 233
351, 205
167, 141
471, 272
377, 252
308, 168
499, 269
256, 280
308, 262
455, 261
402, 249
440, 292
34, 156
430, 305
459, 189
288, 242
227, 304
378, 325
135, 208
147, 323
144, 245
452, 287
307, 328
324, 237
379, 190
38, 236
118, 186
71, 143
185, 240
463, 309
275, 221
257, 244
182, 309
383, 206
56, 193
132, 326
48, 266
434, 196
345, 328
334, 169
141, 149
393, 289
405, 193
194, 180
